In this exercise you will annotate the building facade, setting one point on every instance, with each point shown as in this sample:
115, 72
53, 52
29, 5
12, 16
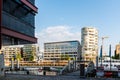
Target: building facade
62, 50
18, 22
117, 49
30, 52
27, 52
89, 42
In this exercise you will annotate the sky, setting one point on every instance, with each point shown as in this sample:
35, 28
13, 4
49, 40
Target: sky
61, 20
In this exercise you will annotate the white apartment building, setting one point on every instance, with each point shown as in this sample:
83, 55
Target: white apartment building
58, 50
89, 42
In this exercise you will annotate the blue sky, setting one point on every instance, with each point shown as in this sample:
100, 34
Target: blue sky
59, 20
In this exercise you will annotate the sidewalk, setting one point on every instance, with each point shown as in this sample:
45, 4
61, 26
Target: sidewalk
69, 76
76, 73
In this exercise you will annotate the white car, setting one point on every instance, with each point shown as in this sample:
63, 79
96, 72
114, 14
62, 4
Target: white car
100, 72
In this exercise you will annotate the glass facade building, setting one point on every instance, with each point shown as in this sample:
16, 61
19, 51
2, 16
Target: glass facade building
55, 50
18, 22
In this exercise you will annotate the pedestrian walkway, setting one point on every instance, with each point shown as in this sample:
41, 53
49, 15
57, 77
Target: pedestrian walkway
76, 73
69, 76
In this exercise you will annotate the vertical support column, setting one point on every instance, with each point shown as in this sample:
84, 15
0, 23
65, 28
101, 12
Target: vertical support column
96, 61
12, 64
1, 55
0, 22
2, 67
18, 64
69, 67
75, 63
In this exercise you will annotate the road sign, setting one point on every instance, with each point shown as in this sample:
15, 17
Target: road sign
40, 70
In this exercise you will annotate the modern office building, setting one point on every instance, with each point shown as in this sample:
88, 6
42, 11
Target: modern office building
30, 52
27, 52
89, 42
63, 50
17, 18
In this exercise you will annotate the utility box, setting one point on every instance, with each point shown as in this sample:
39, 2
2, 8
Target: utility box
82, 70
2, 65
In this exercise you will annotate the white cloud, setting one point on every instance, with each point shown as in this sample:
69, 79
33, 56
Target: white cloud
57, 33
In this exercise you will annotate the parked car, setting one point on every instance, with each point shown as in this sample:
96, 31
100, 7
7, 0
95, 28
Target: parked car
100, 71
108, 74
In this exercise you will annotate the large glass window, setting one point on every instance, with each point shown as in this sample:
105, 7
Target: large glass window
16, 17
6, 40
